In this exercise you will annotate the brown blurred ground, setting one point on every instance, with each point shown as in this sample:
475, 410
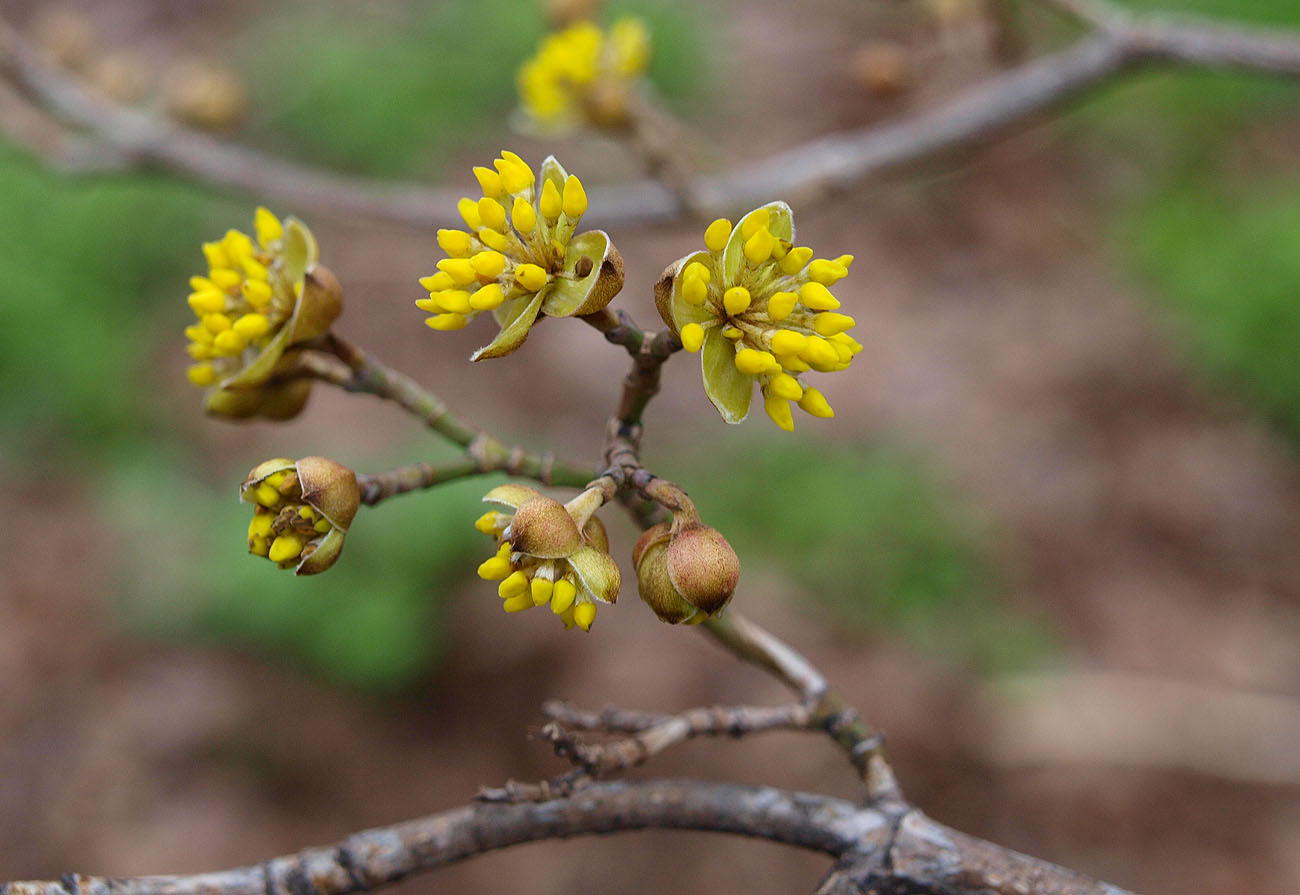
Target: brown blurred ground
1156, 522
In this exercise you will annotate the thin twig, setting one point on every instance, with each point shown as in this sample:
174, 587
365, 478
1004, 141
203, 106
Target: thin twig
355, 370
650, 734
863, 745
379, 486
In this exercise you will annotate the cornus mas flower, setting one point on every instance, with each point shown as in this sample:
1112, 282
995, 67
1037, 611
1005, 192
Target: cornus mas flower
259, 298
759, 309
301, 511
549, 553
583, 74
521, 257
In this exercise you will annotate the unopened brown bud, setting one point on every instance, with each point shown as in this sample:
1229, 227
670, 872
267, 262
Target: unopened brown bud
884, 69
542, 527
206, 94
702, 567
319, 305
685, 577
650, 558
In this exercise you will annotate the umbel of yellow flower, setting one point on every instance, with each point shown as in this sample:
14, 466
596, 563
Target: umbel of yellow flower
521, 257
582, 74
258, 298
758, 309
302, 511
549, 553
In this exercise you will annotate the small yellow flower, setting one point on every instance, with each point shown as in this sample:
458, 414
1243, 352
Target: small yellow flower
758, 308
582, 74
520, 257
549, 553
258, 298
301, 513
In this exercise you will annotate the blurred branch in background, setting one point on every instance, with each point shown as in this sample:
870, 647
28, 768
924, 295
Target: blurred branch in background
1116, 43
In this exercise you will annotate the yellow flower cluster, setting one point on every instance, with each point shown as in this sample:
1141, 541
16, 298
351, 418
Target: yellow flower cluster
759, 309
302, 510
582, 73
549, 553
238, 303
520, 256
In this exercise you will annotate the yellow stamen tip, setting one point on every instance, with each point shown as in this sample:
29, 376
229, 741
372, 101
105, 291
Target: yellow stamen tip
752, 361
550, 203
438, 281
447, 322
491, 213
517, 603
489, 181
692, 337
251, 326
830, 324
541, 591
531, 277
781, 305
584, 614
698, 270
201, 375
523, 216
563, 595
736, 300
456, 243
286, 547
468, 209
779, 410
717, 234
487, 298
828, 273
489, 264
787, 341
817, 297
267, 225
575, 198
514, 584
783, 385
694, 291
754, 221
813, 403
207, 301
795, 260
758, 248
496, 568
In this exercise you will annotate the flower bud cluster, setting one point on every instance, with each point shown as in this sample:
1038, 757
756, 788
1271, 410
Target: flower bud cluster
258, 298
301, 511
521, 256
583, 74
685, 573
759, 309
549, 553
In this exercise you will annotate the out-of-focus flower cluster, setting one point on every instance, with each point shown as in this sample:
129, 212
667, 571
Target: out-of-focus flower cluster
584, 75
259, 297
